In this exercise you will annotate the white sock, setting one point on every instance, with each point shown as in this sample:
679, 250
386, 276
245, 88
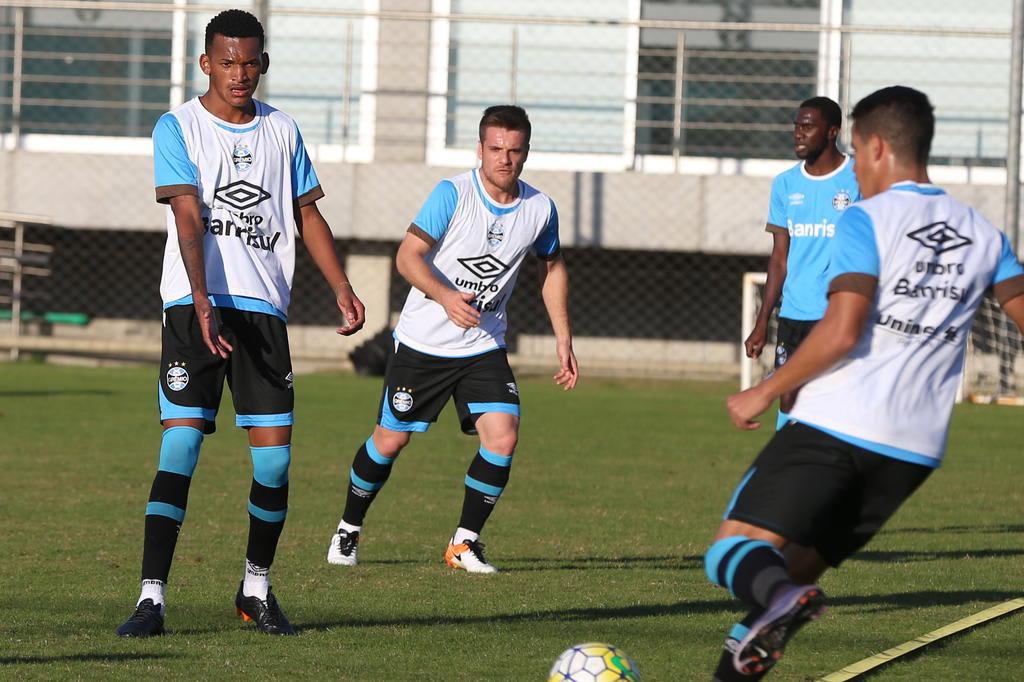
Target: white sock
463, 535
153, 589
348, 527
257, 581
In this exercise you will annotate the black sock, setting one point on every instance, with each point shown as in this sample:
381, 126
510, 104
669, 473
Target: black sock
485, 481
267, 510
168, 497
758, 574
370, 471
165, 512
726, 671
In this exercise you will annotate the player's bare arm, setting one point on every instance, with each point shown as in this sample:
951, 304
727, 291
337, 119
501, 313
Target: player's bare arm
554, 287
316, 235
413, 267
829, 341
189, 224
774, 281
1010, 295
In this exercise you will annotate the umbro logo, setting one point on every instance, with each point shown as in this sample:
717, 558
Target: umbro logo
484, 267
241, 194
940, 237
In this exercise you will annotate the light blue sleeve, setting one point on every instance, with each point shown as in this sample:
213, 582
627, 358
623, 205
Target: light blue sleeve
547, 243
1009, 266
438, 209
303, 176
171, 163
854, 248
777, 203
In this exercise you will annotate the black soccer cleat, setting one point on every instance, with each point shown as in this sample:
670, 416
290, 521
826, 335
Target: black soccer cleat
267, 615
791, 609
147, 621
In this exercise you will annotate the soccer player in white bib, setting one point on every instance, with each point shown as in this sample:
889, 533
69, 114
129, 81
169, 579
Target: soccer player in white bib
462, 255
240, 189
806, 203
910, 266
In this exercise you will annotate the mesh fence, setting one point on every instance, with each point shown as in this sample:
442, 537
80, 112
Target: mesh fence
657, 129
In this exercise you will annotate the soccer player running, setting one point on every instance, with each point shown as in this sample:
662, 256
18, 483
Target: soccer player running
239, 188
806, 202
462, 254
909, 268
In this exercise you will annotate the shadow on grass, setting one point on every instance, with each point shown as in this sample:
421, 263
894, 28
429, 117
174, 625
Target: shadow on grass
924, 555
675, 563
879, 602
979, 528
50, 394
81, 658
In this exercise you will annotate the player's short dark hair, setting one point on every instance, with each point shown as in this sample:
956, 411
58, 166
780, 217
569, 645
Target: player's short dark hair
828, 109
507, 116
234, 23
901, 116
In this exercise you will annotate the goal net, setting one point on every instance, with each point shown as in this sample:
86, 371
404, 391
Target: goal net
993, 367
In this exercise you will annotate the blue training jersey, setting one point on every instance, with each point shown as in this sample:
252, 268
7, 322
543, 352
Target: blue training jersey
808, 207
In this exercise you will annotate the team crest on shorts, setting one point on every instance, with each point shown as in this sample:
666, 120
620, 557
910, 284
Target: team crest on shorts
512, 388
780, 355
241, 156
401, 400
177, 376
495, 234
841, 200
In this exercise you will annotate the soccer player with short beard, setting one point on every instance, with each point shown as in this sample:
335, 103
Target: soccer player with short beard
462, 254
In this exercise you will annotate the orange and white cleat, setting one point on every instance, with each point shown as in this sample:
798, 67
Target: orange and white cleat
468, 556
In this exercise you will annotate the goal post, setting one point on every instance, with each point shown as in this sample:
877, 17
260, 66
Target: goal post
753, 370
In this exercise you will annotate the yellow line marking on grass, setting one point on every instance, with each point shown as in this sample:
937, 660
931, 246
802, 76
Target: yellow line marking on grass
860, 667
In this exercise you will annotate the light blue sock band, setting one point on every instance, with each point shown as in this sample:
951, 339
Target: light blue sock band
270, 464
179, 450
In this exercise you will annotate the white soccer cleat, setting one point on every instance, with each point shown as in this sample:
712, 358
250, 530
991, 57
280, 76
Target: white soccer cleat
468, 556
343, 549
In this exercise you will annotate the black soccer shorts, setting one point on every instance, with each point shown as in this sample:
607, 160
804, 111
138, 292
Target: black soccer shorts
790, 334
822, 492
258, 370
417, 387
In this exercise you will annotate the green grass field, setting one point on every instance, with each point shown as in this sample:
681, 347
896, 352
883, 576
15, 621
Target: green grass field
616, 490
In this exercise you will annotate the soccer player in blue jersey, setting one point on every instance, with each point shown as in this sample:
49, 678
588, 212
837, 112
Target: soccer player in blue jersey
806, 202
879, 373
462, 255
239, 189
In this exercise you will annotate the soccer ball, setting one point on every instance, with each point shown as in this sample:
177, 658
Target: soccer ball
593, 662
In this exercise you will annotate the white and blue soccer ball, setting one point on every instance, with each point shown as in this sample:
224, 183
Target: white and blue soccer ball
593, 662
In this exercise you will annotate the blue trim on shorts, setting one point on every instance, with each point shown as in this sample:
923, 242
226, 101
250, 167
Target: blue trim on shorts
481, 408
482, 487
389, 421
266, 515
169, 410
394, 335
881, 448
247, 303
495, 459
363, 483
736, 493
164, 509
280, 419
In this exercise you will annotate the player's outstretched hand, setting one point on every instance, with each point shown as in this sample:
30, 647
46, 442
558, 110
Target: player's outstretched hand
569, 370
459, 311
755, 342
210, 328
352, 312
743, 407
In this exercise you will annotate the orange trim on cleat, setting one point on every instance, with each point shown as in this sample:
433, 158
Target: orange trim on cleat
451, 554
